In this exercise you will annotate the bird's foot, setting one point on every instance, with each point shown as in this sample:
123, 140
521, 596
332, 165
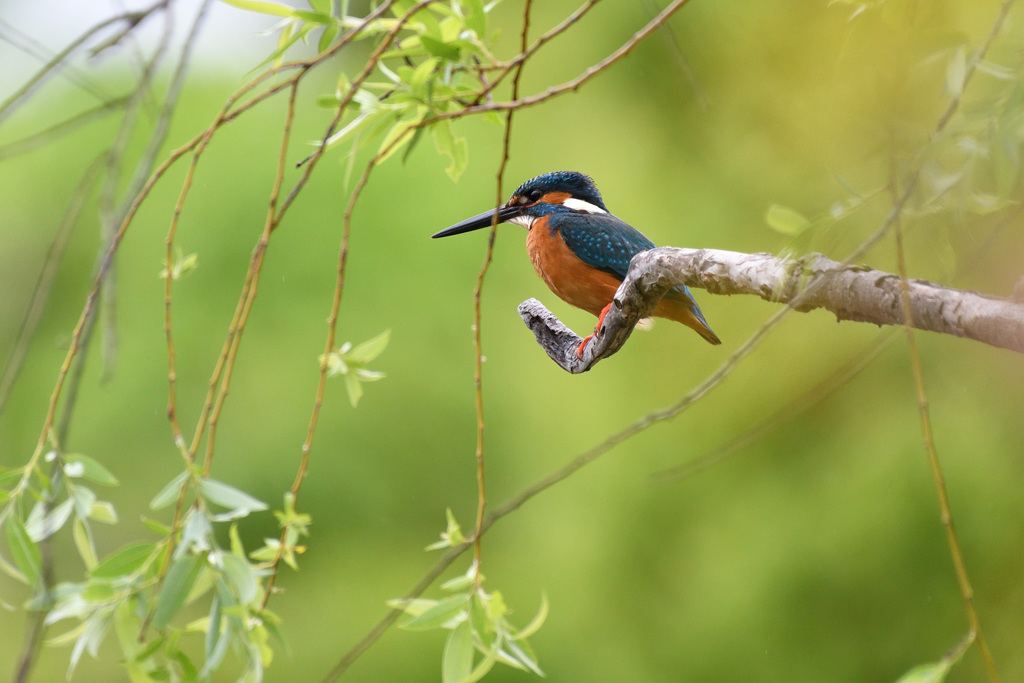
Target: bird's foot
583, 345
597, 330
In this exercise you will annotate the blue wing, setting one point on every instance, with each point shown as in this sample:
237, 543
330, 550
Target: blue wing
600, 240
608, 243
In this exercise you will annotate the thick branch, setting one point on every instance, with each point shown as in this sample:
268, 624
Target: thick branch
850, 292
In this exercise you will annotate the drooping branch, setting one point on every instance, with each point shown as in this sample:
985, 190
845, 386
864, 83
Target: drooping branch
850, 292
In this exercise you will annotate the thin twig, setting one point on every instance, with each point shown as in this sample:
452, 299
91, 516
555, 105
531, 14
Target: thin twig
816, 395
228, 113
575, 83
110, 216
525, 53
392, 616
53, 66
946, 514
672, 40
44, 137
225, 364
478, 355
30, 46
339, 287
310, 162
41, 291
256, 269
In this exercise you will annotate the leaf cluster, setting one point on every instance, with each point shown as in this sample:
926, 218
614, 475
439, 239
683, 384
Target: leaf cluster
476, 621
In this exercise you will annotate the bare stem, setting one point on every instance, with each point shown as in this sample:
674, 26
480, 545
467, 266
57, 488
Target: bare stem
132, 19
946, 513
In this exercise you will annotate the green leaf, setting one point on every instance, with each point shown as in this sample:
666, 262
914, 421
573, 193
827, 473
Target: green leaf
437, 615
327, 101
476, 17
78, 465
935, 672
485, 665
285, 40
12, 571
84, 498
229, 497
459, 157
400, 134
262, 7
125, 561
457, 662
103, 511
236, 541
459, 583
177, 585
240, 574
169, 493
156, 527
421, 76
83, 542
186, 669
182, 266
927, 673
956, 72
452, 535
452, 147
414, 607
268, 552
95, 628
25, 553
9, 477
216, 640
40, 527
537, 621
65, 638
440, 49
370, 349
496, 607
785, 220
522, 652
98, 591
482, 626
327, 37
354, 388
196, 532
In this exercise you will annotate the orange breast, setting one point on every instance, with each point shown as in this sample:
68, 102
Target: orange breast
566, 275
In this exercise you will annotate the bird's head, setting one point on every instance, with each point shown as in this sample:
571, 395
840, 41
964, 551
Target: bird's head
538, 197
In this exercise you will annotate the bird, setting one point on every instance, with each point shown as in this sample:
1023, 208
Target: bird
580, 249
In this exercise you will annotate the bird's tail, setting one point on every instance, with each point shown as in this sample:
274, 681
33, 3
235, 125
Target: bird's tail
679, 305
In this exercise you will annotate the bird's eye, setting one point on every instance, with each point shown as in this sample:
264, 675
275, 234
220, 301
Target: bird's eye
535, 195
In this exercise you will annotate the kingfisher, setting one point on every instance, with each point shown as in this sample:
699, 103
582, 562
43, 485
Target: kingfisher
580, 249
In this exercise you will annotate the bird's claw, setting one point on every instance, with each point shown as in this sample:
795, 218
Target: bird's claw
597, 330
583, 345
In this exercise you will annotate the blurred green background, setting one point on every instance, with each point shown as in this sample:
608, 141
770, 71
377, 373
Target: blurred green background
816, 554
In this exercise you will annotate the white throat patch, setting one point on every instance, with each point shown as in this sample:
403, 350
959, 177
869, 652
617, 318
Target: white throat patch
523, 220
580, 205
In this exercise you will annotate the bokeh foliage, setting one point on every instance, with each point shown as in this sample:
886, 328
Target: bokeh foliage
815, 554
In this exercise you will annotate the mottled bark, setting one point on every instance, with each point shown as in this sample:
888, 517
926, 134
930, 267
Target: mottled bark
850, 292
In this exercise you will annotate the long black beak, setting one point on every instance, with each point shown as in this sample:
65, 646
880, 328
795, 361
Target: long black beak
482, 220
